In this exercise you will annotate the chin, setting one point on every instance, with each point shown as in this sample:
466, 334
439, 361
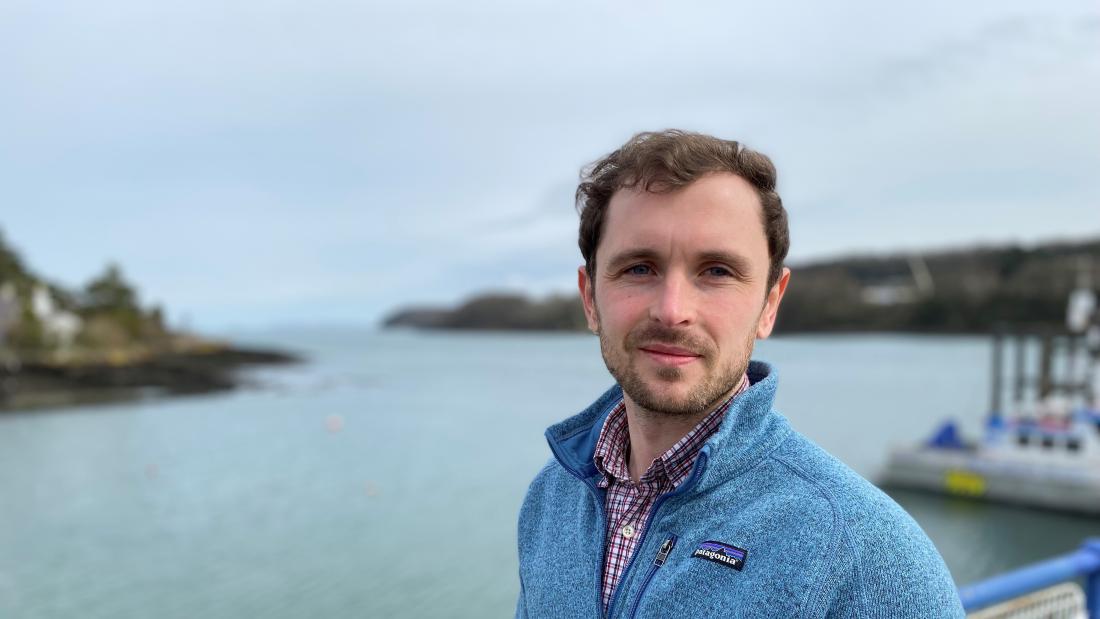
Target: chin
664, 399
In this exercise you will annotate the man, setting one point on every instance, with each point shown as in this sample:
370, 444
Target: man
680, 492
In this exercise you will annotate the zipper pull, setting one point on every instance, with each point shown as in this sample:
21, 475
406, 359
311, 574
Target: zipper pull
666, 548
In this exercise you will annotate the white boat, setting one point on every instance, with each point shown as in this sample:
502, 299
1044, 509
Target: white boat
1018, 462
1047, 454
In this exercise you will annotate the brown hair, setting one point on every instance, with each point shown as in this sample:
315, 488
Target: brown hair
664, 161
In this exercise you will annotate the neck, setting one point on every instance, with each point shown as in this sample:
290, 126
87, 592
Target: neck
652, 434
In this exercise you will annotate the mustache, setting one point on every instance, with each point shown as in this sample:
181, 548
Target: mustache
659, 334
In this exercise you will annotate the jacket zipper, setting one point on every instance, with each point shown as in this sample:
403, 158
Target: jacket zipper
634, 557
662, 556
601, 510
700, 463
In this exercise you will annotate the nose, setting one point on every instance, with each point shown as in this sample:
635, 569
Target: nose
675, 301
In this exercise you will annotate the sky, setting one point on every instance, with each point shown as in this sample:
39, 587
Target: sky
255, 164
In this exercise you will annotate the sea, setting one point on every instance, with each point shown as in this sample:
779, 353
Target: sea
382, 476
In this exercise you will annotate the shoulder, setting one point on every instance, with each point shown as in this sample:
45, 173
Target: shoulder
552, 488
889, 567
551, 475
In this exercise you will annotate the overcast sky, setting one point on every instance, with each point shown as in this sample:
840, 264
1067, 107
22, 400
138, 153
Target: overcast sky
256, 163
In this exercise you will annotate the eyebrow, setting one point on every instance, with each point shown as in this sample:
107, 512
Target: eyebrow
736, 262
623, 258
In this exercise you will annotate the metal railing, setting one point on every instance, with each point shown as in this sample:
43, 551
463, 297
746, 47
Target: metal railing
1083, 563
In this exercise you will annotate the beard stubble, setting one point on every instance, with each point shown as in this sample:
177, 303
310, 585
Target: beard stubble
714, 386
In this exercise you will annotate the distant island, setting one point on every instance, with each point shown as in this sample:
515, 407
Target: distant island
950, 291
61, 346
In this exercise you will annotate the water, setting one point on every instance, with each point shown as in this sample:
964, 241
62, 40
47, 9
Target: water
382, 479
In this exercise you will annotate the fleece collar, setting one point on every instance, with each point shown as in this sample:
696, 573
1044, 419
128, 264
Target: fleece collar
749, 431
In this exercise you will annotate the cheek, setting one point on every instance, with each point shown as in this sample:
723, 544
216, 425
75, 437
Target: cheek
621, 308
730, 321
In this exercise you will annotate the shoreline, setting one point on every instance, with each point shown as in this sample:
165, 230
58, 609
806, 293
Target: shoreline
41, 385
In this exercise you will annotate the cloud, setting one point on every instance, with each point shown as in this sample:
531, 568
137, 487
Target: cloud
1012, 43
269, 158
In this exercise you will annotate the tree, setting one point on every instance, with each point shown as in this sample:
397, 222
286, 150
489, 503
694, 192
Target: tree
109, 293
11, 267
110, 297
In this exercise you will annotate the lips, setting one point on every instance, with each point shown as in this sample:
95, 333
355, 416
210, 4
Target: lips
669, 355
669, 350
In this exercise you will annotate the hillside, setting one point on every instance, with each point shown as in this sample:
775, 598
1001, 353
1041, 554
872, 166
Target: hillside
63, 346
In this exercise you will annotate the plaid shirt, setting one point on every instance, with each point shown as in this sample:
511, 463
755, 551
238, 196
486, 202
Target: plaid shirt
629, 503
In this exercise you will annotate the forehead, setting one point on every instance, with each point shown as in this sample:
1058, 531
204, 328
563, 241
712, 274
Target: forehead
719, 212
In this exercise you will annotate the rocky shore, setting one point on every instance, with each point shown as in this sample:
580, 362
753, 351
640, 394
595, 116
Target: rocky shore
62, 346
47, 383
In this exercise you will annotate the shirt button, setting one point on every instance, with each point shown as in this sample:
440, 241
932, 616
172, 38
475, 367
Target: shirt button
627, 531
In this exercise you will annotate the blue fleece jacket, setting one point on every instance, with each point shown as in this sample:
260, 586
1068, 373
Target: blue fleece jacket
767, 525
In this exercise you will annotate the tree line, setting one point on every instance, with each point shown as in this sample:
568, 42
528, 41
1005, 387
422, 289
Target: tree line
955, 291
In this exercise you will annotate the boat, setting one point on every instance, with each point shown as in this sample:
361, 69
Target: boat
1044, 451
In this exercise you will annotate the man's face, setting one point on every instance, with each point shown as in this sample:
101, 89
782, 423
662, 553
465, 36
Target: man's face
680, 292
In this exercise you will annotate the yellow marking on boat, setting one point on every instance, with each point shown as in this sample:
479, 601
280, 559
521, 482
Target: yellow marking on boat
964, 483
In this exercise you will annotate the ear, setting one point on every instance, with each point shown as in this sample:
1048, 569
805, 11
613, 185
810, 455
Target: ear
588, 298
771, 305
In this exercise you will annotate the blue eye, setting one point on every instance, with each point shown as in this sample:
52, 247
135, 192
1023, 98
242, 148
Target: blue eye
638, 269
719, 271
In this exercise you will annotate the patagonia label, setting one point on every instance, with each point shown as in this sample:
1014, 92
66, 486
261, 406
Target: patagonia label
729, 556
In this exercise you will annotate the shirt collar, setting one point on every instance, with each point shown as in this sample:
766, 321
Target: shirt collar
674, 465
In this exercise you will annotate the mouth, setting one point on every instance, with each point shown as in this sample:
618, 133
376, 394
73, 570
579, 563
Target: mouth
669, 355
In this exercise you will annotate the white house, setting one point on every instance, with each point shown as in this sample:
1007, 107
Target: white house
56, 323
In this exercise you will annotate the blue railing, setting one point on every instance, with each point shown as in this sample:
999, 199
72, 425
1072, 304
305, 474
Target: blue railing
1082, 563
